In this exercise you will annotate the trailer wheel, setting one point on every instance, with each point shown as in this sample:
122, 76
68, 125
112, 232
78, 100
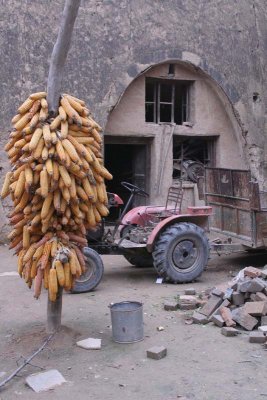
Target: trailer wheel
140, 259
181, 252
93, 274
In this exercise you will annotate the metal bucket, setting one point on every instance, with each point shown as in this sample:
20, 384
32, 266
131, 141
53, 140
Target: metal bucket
127, 321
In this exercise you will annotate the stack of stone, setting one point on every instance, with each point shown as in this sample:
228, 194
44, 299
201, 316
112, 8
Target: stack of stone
242, 304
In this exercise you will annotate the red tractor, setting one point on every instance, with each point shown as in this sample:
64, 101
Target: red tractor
174, 243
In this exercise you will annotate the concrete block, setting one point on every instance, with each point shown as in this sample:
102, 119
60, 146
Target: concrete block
227, 331
255, 308
199, 318
264, 320
90, 344
252, 272
245, 320
218, 292
156, 352
257, 337
251, 285
190, 291
43, 381
263, 329
170, 306
238, 299
213, 303
217, 320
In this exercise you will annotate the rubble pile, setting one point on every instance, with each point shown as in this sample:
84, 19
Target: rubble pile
241, 305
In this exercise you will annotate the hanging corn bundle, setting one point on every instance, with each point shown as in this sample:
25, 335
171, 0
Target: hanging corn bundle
57, 187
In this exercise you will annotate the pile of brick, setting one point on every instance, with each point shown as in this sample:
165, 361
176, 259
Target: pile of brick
241, 305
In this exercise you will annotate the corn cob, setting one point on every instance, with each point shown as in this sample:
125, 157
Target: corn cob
57, 188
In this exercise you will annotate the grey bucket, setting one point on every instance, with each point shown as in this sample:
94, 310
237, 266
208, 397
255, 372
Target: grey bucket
127, 321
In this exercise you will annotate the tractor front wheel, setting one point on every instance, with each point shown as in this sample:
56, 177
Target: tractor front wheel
93, 273
181, 252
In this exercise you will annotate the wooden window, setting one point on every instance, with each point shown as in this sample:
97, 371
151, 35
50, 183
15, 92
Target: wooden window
167, 101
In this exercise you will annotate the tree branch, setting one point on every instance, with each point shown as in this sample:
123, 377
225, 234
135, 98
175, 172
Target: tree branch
59, 54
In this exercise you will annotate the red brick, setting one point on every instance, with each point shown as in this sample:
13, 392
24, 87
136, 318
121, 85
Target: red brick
157, 352
245, 320
257, 337
255, 308
252, 272
213, 303
227, 331
227, 316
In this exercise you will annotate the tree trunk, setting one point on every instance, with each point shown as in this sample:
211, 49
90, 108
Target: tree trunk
54, 83
59, 54
54, 309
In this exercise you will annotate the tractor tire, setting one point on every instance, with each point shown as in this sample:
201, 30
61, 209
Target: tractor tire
181, 252
93, 274
140, 260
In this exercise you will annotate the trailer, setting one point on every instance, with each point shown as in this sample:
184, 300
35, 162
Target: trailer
239, 209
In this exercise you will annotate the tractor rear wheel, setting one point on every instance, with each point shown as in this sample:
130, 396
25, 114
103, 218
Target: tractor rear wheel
181, 252
93, 274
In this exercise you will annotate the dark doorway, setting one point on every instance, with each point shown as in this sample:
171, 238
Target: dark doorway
127, 162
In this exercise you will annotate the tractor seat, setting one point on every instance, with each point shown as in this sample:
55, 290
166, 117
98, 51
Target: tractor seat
172, 206
174, 201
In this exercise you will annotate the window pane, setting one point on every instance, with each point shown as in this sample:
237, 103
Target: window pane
150, 91
165, 113
165, 92
150, 112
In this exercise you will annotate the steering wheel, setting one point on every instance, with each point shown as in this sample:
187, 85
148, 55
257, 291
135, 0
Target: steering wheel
134, 189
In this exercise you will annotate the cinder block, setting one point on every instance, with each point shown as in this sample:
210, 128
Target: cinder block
227, 331
245, 320
264, 320
156, 352
199, 318
238, 299
190, 291
170, 306
257, 337
213, 303
252, 272
217, 320
255, 308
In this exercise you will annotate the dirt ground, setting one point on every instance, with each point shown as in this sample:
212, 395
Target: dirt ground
201, 364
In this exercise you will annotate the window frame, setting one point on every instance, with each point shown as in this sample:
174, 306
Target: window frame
186, 100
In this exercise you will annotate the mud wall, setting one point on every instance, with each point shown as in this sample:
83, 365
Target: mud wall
114, 41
